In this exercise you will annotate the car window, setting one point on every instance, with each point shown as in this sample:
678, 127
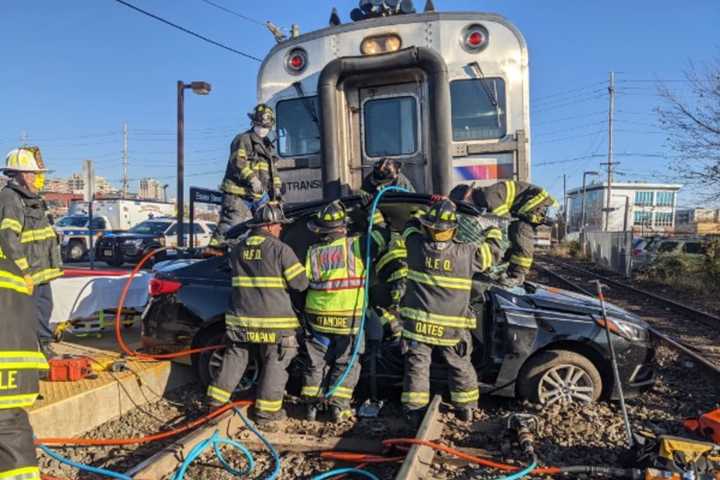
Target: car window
173, 230
150, 227
478, 109
693, 247
197, 228
211, 227
98, 223
72, 222
666, 247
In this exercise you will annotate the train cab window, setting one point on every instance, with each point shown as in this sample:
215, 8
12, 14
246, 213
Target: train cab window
298, 128
391, 126
478, 109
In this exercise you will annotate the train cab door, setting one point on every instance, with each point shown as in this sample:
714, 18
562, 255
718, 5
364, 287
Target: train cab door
389, 122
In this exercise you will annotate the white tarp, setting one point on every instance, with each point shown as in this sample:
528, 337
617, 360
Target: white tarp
84, 296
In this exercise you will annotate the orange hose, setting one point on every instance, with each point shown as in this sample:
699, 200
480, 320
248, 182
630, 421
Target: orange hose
470, 458
118, 321
94, 442
352, 457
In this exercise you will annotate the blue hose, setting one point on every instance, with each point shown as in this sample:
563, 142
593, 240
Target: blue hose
216, 441
81, 466
276, 457
520, 473
368, 261
344, 471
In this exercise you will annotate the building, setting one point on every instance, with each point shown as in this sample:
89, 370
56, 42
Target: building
643, 208
76, 184
698, 221
151, 189
57, 185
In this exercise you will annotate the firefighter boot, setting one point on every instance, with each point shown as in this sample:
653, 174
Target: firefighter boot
464, 414
414, 417
311, 410
268, 421
339, 414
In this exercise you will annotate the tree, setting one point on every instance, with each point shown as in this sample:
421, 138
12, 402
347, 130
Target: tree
693, 126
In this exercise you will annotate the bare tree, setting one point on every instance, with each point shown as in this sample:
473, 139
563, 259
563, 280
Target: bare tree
692, 122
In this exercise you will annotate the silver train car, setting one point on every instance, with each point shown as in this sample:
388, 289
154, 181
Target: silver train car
447, 94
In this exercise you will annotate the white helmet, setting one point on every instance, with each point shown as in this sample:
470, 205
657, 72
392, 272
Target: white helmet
24, 159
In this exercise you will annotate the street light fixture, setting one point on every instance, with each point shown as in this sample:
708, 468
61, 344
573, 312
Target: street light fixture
199, 88
582, 216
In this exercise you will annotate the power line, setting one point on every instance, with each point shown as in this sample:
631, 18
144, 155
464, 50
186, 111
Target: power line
233, 12
189, 32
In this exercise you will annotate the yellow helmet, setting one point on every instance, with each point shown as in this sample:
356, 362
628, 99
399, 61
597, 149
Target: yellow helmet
24, 159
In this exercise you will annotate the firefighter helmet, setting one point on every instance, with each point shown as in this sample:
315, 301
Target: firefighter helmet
262, 116
461, 193
385, 171
329, 219
442, 216
24, 159
270, 213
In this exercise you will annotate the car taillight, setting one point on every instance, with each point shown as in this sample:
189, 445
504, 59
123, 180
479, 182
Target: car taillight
296, 60
475, 38
159, 286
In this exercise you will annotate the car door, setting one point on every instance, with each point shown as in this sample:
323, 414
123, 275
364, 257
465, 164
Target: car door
171, 235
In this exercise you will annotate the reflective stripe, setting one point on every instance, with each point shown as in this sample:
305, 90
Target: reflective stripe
218, 394
246, 172
485, 255
277, 181
310, 391
46, 275
21, 359
271, 323
398, 274
17, 401
270, 406
339, 284
505, 207
455, 283
440, 342
229, 187
393, 254
409, 231
258, 282
519, 260
293, 271
22, 263
25, 473
343, 392
11, 224
443, 320
261, 167
13, 282
416, 398
534, 202
465, 397
335, 330
37, 235
493, 234
378, 218
255, 240
379, 239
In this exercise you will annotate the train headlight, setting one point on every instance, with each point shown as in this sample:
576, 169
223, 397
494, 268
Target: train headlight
475, 38
380, 44
296, 60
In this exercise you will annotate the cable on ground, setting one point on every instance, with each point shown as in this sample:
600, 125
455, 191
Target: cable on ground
345, 471
81, 466
276, 456
216, 442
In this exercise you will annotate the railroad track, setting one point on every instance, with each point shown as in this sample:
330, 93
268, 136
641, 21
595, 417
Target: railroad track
682, 327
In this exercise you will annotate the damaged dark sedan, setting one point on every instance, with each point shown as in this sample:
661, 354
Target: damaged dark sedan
543, 344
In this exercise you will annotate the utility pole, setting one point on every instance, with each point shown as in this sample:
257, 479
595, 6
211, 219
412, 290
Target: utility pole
125, 160
611, 113
565, 206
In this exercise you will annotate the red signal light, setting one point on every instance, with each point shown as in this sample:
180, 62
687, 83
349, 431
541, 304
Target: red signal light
296, 60
475, 39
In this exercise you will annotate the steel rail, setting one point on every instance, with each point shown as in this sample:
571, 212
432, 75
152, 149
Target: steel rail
420, 457
660, 335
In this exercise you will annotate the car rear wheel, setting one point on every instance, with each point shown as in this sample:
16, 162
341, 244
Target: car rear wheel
76, 250
559, 376
207, 365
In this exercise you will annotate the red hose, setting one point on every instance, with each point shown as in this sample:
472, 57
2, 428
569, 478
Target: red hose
470, 458
118, 321
352, 457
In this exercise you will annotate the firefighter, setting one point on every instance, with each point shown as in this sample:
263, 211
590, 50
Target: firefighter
435, 309
251, 177
264, 271
386, 172
20, 363
524, 201
334, 305
29, 239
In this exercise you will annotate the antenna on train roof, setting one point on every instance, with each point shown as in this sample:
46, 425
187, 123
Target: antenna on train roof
276, 31
335, 18
429, 6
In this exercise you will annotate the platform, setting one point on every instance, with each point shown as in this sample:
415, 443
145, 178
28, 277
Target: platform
69, 409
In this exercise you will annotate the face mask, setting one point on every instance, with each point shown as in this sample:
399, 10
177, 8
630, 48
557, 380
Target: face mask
261, 132
39, 181
441, 235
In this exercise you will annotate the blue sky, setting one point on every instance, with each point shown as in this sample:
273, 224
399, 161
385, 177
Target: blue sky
74, 71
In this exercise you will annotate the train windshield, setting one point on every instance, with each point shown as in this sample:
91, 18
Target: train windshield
478, 109
298, 127
391, 126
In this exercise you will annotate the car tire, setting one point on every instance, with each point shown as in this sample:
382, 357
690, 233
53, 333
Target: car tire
207, 364
559, 376
115, 262
75, 251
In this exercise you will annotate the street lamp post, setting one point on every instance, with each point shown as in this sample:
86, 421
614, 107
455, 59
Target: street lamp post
200, 88
582, 215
